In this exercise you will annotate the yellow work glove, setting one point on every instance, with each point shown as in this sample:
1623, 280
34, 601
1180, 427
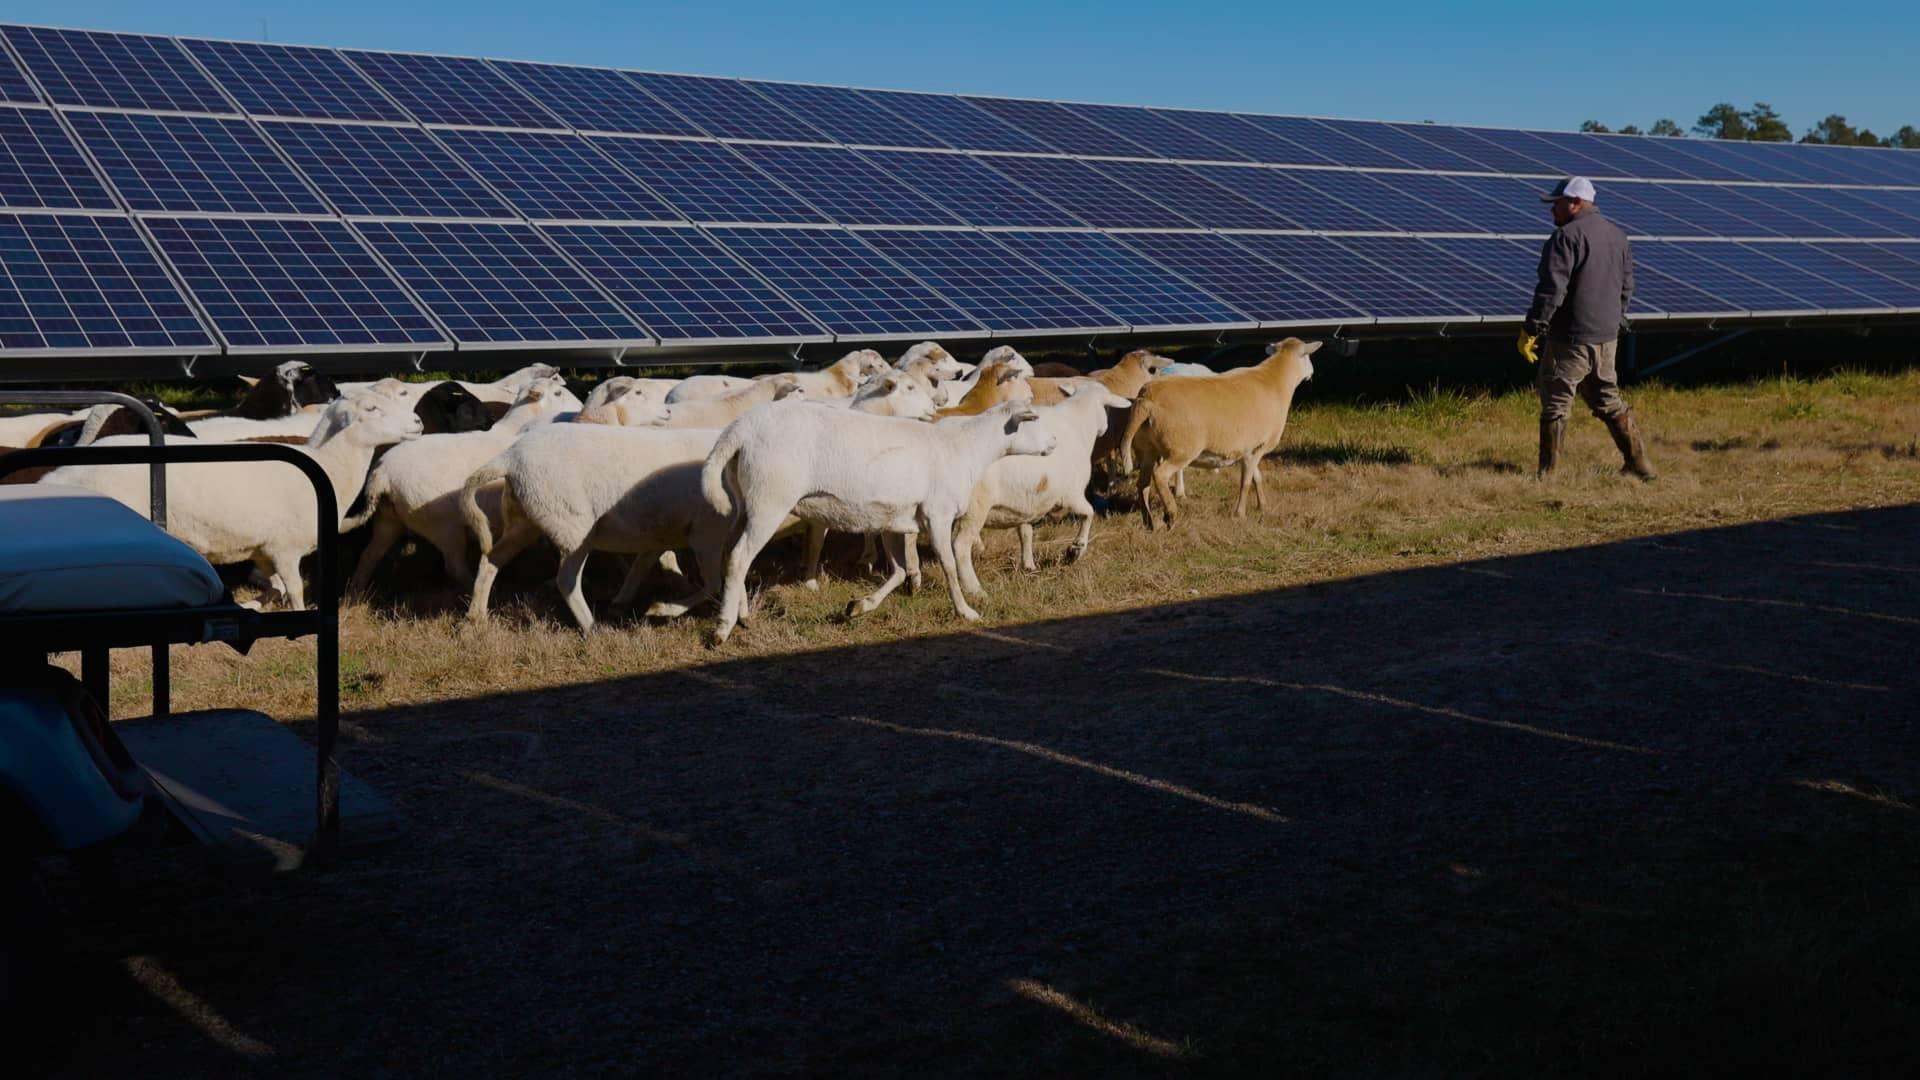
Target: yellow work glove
1530, 347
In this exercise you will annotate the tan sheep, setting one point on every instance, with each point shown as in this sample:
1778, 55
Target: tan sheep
1125, 378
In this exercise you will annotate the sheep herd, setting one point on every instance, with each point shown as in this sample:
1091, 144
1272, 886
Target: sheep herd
709, 469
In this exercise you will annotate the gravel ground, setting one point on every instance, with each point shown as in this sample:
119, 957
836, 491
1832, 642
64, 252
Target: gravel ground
1067, 847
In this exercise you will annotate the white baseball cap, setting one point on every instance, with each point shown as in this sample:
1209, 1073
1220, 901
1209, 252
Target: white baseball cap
1573, 187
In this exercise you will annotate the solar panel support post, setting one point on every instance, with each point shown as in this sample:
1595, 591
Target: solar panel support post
187, 364
419, 360
620, 357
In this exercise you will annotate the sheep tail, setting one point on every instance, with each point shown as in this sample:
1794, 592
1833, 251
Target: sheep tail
1142, 410
492, 472
369, 504
713, 475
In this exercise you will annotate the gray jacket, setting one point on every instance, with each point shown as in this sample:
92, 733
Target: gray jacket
1586, 280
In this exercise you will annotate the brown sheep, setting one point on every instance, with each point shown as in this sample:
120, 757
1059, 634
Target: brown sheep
1002, 378
1053, 369
1213, 422
1125, 378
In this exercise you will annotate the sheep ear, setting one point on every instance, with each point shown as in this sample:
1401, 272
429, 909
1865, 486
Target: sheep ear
1007, 375
1023, 415
1312, 347
249, 380
1069, 389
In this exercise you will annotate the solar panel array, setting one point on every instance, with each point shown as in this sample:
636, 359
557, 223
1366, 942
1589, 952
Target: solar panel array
189, 196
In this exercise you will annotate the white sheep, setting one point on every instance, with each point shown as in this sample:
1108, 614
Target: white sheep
855, 473
626, 401
258, 511
705, 388
720, 412
416, 487
1017, 491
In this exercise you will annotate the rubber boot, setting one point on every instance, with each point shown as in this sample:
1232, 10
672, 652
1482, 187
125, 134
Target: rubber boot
1626, 436
1553, 435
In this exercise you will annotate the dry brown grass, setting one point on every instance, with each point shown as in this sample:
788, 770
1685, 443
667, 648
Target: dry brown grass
1355, 490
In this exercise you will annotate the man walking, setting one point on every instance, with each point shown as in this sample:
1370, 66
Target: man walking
1586, 280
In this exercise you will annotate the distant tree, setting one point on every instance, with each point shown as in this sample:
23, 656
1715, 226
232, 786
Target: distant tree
1594, 126
1723, 121
1632, 129
1833, 130
1766, 125
1907, 138
1666, 128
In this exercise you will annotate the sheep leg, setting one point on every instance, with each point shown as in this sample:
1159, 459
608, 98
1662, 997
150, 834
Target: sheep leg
1163, 477
708, 543
967, 538
912, 561
896, 561
1027, 561
637, 571
452, 545
387, 531
1180, 484
1083, 510
942, 530
286, 568
511, 543
754, 534
816, 544
567, 580
1259, 485
1248, 467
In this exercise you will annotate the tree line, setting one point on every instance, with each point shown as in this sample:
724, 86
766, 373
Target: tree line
1762, 124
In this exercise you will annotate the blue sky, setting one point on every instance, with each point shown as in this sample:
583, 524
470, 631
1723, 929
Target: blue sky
1533, 65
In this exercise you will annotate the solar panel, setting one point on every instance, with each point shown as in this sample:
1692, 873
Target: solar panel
73, 282
1162, 133
1811, 205
1292, 194
1685, 262
1836, 264
1762, 212
1909, 253
596, 99
1246, 139
126, 71
1391, 197
1412, 150
1652, 157
845, 284
1499, 203
1622, 205
726, 108
499, 284
1752, 161
1243, 279
681, 284
267, 283
1142, 293
1088, 195
367, 170
1515, 262
1709, 161
1485, 154
1658, 293
1380, 291
706, 181
970, 190
556, 176
846, 115
1460, 282
1881, 259
1899, 208
292, 80
1060, 129
41, 167
954, 122
1777, 265
1188, 190
1557, 157
452, 90
845, 186
1857, 216
13, 82
998, 289
193, 163
1329, 146
1902, 166
1699, 216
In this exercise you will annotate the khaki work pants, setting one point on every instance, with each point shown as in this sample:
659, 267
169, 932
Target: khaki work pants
1567, 369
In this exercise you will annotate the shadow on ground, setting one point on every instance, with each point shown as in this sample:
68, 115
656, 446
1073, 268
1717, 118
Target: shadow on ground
1604, 809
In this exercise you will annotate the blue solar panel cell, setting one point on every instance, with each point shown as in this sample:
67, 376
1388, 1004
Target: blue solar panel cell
556, 177
1293, 195
291, 80
74, 282
1658, 293
193, 163
1189, 190
970, 190
1398, 197
1139, 291
1846, 266
956, 123
682, 285
1900, 209
126, 71
996, 288
728, 109
1248, 282
1903, 165
1695, 205
1486, 154
845, 284
1765, 161
13, 82
1160, 132
1857, 216
1814, 205
499, 284
1715, 160
1886, 260
1498, 203
1061, 130
1622, 205
1090, 196
1252, 142
453, 90
1663, 158
846, 115
1515, 262
1556, 157
1686, 262
596, 99
1460, 282
1334, 147
848, 188
1412, 150
368, 170
1787, 267
1381, 291
40, 167
708, 182
281, 283
1752, 204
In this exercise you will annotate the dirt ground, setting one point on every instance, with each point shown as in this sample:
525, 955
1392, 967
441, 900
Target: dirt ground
1639, 806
